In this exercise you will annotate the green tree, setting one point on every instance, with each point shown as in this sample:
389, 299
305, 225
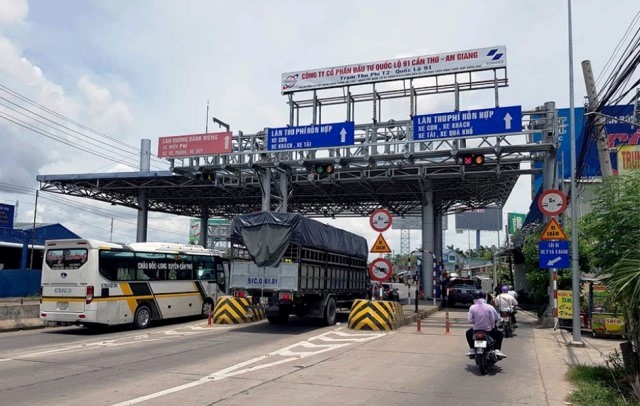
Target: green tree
611, 235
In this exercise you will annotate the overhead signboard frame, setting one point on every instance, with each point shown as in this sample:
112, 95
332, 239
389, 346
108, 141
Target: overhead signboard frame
414, 67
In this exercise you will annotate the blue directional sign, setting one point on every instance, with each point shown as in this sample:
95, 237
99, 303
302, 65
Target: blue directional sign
6, 215
470, 123
554, 254
311, 136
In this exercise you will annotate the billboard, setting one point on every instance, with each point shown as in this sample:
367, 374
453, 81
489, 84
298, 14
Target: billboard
395, 69
7, 212
182, 146
515, 221
414, 223
618, 134
487, 219
218, 230
628, 158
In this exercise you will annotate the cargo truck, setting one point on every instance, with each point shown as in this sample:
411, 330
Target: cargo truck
294, 265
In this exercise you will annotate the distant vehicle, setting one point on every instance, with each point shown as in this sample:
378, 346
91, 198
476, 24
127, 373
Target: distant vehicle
461, 290
390, 291
97, 283
294, 265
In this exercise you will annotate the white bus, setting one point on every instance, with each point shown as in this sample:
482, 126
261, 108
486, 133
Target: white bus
97, 283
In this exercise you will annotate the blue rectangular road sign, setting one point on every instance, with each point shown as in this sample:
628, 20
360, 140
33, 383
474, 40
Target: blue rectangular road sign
311, 136
6, 215
554, 254
470, 123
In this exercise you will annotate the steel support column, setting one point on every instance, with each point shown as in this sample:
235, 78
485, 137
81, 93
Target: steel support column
266, 190
438, 236
549, 169
204, 226
428, 232
284, 192
143, 207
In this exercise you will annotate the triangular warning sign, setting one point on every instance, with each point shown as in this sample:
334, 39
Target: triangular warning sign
553, 231
380, 246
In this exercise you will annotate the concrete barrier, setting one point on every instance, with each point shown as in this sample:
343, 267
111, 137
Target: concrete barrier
230, 310
376, 315
17, 316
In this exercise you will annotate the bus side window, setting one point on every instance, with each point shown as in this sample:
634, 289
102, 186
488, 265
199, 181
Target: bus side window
124, 274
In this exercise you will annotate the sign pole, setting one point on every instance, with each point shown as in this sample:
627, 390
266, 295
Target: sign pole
575, 272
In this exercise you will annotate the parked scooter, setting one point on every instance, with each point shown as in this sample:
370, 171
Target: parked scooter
485, 351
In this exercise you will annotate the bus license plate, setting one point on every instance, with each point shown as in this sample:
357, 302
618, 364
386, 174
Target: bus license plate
63, 305
481, 344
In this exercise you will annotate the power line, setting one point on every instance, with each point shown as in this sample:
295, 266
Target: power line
134, 150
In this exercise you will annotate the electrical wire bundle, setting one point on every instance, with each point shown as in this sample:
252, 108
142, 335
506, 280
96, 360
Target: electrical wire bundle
617, 90
26, 113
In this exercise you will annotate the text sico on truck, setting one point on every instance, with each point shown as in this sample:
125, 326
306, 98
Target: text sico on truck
96, 283
290, 264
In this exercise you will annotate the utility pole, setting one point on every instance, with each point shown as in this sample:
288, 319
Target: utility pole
601, 135
605, 165
111, 232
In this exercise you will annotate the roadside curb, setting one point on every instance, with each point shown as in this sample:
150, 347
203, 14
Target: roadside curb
411, 316
17, 325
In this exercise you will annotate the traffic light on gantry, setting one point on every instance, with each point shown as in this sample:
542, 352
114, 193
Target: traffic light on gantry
471, 159
323, 169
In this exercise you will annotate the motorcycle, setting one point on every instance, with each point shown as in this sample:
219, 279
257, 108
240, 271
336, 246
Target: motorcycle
505, 324
485, 351
391, 293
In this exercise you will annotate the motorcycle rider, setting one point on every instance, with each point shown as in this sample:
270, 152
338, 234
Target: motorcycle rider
505, 302
484, 317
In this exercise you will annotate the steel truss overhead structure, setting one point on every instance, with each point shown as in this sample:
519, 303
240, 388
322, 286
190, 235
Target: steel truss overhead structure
384, 168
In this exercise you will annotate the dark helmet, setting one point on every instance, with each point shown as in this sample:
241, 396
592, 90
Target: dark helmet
505, 288
479, 294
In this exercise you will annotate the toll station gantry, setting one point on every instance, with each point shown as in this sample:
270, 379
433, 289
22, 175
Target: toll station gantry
426, 165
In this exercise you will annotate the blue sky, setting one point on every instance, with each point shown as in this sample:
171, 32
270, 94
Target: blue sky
146, 69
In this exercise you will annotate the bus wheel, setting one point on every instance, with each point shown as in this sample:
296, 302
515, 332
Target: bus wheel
142, 318
205, 308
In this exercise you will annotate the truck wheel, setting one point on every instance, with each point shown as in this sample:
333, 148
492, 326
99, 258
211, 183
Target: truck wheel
330, 312
142, 317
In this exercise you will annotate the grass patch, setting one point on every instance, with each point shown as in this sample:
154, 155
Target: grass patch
598, 385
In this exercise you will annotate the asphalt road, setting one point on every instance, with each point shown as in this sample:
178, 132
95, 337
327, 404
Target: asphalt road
189, 363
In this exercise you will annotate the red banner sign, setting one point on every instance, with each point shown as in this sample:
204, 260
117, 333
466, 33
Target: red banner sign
194, 145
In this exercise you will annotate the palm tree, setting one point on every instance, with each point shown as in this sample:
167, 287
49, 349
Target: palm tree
624, 284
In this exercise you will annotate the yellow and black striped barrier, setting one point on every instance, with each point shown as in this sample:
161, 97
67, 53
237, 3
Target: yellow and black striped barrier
376, 315
231, 310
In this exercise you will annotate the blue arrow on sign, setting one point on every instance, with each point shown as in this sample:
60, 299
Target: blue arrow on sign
554, 254
470, 123
311, 136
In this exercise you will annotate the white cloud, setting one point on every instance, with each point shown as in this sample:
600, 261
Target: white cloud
13, 11
148, 71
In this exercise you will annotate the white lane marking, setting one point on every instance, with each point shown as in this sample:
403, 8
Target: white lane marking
287, 352
76, 348
135, 339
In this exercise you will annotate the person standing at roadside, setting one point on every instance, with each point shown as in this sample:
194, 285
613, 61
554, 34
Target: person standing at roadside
444, 289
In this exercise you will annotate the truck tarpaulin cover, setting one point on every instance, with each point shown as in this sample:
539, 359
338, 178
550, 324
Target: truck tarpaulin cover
267, 235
